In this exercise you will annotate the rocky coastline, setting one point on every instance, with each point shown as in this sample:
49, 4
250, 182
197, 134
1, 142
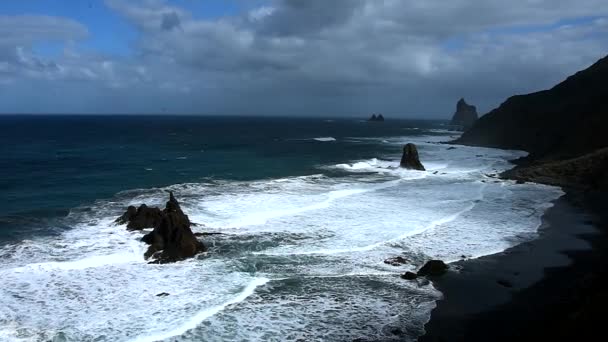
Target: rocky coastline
552, 288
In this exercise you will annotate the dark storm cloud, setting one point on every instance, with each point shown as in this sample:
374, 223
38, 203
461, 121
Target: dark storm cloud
170, 21
341, 57
302, 17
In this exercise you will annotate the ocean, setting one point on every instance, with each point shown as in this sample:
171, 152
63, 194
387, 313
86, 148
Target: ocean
309, 209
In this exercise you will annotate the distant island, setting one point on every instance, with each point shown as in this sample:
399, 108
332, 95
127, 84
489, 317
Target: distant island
376, 118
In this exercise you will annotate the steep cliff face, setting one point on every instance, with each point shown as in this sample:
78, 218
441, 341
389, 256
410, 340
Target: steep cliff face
567, 121
465, 115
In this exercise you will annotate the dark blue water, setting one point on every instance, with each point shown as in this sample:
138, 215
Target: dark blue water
305, 253
51, 164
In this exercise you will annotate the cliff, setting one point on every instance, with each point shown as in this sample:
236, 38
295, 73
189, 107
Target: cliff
566, 121
562, 128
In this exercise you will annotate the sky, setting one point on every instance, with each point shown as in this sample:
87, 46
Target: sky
402, 58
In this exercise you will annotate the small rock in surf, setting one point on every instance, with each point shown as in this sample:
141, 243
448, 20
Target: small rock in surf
410, 158
433, 268
409, 276
395, 261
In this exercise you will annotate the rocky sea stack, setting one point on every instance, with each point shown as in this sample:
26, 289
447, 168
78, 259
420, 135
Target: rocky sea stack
377, 118
172, 239
140, 218
410, 159
465, 115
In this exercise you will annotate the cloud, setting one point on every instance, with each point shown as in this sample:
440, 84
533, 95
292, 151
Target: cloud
29, 29
170, 21
340, 57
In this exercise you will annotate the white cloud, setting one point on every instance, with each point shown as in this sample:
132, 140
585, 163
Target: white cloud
406, 57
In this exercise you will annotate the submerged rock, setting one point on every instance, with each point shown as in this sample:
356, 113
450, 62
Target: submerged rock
140, 218
465, 115
433, 268
410, 159
395, 261
172, 239
409, 276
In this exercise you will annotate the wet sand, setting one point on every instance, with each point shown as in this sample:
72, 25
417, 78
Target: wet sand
552, 288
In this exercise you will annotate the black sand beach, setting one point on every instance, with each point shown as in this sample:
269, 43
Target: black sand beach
551, 288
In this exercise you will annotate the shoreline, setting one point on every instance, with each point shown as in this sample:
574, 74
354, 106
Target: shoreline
547, 288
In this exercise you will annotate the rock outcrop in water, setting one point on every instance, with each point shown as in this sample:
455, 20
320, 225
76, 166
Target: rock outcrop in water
566, 123
433, 268
396, 261
172, 239
377, 118
465, 115
410, 159
140, 218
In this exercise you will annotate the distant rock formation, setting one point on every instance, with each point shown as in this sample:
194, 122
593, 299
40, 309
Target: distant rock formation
465, 115
377, 118
172, 239
564, 123
140, 218
410, 159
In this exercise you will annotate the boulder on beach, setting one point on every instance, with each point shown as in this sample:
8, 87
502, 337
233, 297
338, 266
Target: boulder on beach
433, 268
140, 218
410, 159
172, 239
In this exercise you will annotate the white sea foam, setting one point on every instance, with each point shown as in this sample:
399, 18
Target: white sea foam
325, 139
318, 242
194, 321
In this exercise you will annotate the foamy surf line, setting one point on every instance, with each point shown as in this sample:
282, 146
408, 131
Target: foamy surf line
325, 139
367, 248
261, 217
90, 262
196, 320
